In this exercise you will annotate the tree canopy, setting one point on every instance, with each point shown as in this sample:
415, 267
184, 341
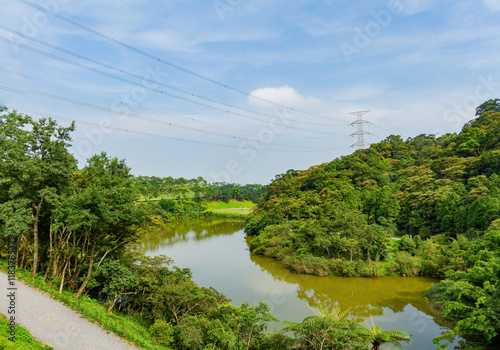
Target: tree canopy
340, 217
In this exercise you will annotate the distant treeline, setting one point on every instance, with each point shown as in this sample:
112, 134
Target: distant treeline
198, 189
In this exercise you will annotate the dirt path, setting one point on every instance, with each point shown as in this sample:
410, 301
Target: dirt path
53, 323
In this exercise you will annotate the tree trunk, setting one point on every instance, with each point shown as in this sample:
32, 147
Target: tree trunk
89, 272
250, 337
37, 208
63, 276
112, 304
51, 253
46, 273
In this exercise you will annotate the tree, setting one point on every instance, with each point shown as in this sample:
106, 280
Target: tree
108, 198
490, 105
117, 280
36, 166
327, 330
376, 336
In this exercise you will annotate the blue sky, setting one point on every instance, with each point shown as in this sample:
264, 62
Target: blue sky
264, 86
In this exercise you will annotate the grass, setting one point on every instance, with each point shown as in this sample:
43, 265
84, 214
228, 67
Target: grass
130, 328
234, 207
23, 341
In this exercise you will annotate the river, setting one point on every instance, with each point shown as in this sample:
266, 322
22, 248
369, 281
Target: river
216, 251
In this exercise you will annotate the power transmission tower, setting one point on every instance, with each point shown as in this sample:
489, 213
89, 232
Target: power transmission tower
360, 133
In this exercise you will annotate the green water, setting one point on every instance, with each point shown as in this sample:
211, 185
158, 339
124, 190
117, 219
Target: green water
217, 253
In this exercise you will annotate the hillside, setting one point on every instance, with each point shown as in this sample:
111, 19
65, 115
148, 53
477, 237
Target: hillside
441, 194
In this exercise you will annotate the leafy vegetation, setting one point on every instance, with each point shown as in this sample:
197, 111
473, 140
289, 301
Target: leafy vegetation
168, 199
439, 194
75, 230
152, 187
332, 330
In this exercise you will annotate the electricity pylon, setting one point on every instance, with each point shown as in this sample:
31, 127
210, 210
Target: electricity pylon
360, 133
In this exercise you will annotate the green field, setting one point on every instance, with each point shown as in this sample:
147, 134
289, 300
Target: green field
234, 207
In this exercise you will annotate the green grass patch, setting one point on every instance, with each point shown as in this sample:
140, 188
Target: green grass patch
131, 328
23, 339
231, 207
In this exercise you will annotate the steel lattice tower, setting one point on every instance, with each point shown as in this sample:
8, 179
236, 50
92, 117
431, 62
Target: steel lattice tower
360, 133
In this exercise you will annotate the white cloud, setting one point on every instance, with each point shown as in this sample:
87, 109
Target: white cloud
492, 4
284, 95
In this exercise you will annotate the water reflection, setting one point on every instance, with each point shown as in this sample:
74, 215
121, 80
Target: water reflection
190, 230
217, 253
362, 296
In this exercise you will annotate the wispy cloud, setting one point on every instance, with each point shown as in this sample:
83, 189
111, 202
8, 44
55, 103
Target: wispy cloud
492, 4
412, 7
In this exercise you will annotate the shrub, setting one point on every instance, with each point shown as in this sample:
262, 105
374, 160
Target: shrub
163, 332
404, 264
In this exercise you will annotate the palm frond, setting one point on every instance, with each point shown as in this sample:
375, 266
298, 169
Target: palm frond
398, 335
323, 311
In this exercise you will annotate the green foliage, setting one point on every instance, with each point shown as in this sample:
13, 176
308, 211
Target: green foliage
172, 209
377, 336
329, 329
23, 339
338, 217
492, 105
470, 296
328, 333
117, 281
163, 332
36, 168
406, 244
152, 187
404, 264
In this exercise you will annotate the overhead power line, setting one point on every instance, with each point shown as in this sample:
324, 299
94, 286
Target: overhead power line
155, 90
130, 74
110, 100
168, 63
142, 133
166, 123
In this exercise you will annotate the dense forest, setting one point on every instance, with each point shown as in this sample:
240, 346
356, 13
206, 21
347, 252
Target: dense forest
168, 199
75, 231
440, 195
198, 189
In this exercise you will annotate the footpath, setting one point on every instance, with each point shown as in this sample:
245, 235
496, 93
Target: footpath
52, 323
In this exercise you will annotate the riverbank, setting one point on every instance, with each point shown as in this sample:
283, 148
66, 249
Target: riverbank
395, 260
406, 302
217, 254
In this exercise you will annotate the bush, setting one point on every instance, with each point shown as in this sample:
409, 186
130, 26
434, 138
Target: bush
406, 244
277, 341
348, 268
404, 264
163, 332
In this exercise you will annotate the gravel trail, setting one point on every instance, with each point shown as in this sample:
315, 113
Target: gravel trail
52, 323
